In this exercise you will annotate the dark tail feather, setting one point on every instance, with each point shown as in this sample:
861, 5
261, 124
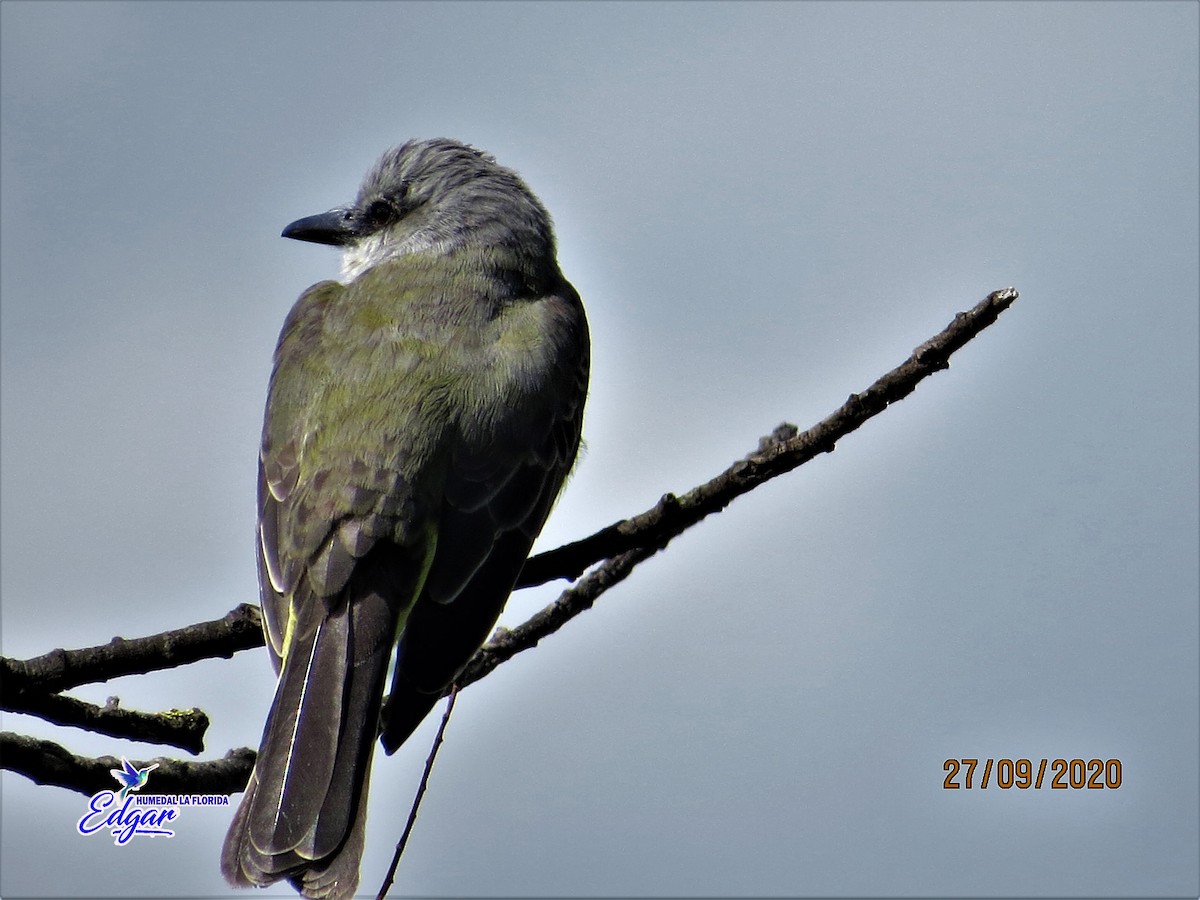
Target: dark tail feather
338, 875
303, 813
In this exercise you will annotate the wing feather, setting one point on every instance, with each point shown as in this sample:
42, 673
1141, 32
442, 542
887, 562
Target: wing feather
494, 507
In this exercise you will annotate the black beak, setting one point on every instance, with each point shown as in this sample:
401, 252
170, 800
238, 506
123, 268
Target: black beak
338, 227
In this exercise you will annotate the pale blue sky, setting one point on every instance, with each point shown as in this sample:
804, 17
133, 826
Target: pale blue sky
764, 207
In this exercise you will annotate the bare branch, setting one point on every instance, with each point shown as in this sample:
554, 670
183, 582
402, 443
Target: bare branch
780, 452
672, 515
621, 546
182, 728
46, 762
60, 670
505, 644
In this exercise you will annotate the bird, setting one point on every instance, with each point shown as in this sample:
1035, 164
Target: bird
422, 415
130, 777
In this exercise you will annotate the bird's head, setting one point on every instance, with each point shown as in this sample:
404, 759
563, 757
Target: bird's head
434, 196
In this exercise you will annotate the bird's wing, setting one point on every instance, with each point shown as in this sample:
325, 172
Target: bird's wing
327, 491
496, 499
343, 549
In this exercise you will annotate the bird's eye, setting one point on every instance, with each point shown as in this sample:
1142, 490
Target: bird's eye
379, 214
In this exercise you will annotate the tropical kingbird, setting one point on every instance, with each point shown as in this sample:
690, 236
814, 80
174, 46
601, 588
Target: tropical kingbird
421, 418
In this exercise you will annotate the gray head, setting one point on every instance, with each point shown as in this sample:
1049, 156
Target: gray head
436, 196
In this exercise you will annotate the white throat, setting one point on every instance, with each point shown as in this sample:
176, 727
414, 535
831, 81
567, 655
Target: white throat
378, 248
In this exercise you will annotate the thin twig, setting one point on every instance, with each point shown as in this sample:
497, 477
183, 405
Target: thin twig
416, 804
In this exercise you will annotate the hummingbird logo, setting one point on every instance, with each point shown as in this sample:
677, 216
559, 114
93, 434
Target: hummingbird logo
131, 777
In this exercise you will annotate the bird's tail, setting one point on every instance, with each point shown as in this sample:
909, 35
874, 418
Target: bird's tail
304, 810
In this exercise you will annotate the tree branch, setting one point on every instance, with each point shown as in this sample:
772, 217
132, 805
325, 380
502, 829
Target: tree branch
672, 515
182, 728
621, 546
506, 644
60, 670
46, 762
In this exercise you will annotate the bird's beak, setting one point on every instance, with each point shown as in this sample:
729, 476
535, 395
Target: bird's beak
338, 227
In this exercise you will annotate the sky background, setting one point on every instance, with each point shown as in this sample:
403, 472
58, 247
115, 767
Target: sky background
764, 207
